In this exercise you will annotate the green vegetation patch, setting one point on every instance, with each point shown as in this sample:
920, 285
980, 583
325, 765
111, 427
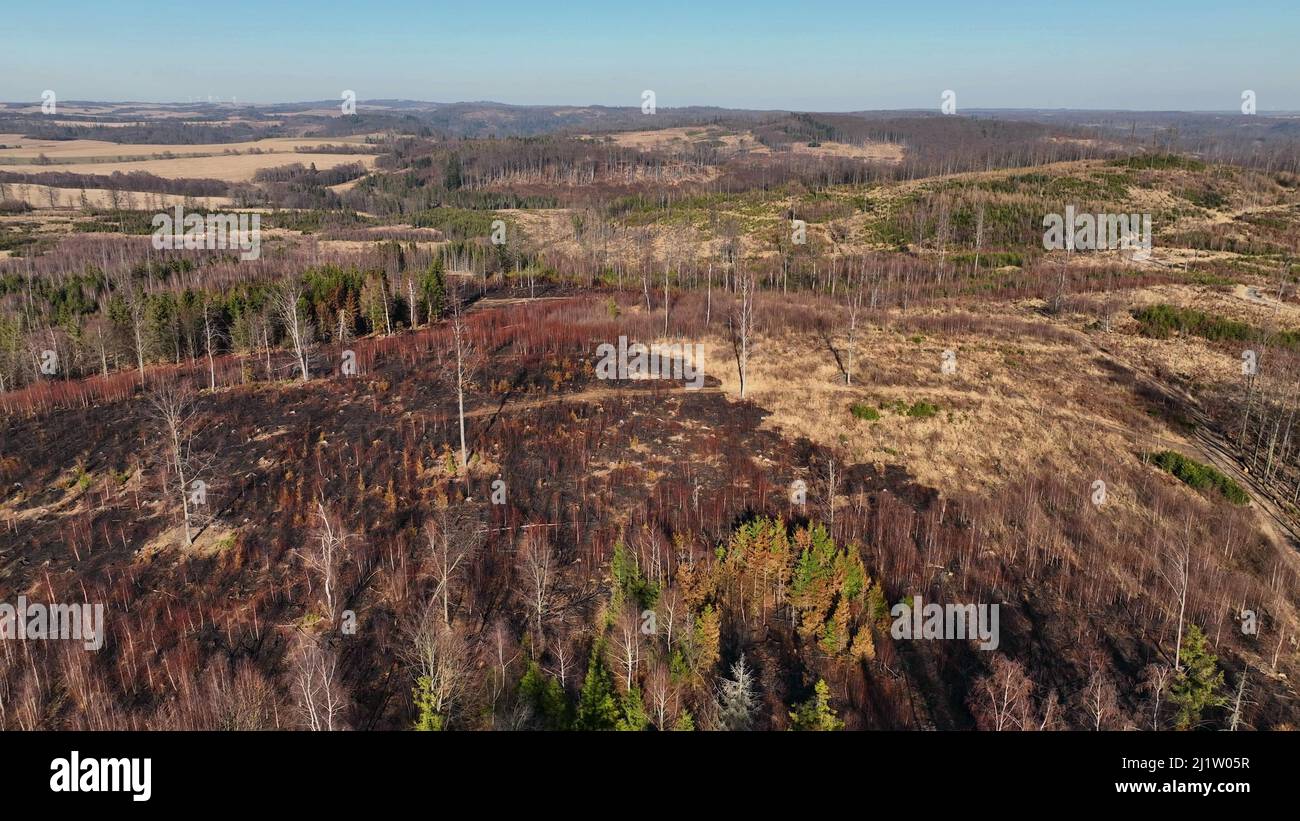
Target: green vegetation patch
1160, 162
1199, 476
121, 221
457, 223
1162, 321
862, 410
921, 409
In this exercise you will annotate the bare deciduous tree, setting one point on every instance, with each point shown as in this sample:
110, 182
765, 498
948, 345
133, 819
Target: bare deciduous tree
742, 324
324, 556
537, 578
466, 363
661, 692
1003, 700
174, 411
625, 645
316, 684
856, 292
442, 661
1238, 702
211, 335
1097, 701
297, 327
979, 234
453, 534
1177, 574
1155, 681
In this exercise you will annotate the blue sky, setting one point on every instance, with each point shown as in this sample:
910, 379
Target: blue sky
1191, 54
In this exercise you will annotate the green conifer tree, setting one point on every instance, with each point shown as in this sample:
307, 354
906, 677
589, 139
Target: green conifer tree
634, 718
1196, 686
546, 698
597, 707
433, 290
816, 712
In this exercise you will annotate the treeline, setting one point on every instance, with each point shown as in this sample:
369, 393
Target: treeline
159, 132
297, 186
338, 148
297, 174
121, 181
172, 308
938, 144
540, 172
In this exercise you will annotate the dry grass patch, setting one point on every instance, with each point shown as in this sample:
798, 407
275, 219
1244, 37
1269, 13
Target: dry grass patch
1015, 406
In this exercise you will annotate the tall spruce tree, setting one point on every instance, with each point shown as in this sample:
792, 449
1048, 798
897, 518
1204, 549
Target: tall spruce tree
1196, 686
597, 705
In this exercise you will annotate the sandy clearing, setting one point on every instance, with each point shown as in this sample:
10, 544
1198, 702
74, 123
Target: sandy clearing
872, 151
345, 186
680, 137
744, 141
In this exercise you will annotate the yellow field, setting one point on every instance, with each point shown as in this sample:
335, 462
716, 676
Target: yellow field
38, 197
72, 151
232, 162
231, 167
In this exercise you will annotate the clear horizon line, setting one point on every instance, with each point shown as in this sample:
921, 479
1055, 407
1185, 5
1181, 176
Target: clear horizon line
780, 110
